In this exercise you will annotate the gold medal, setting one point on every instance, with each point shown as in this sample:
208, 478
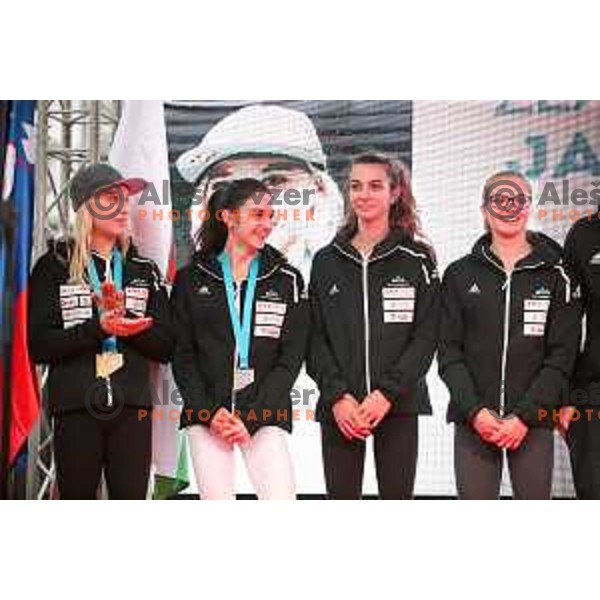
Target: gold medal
108, 363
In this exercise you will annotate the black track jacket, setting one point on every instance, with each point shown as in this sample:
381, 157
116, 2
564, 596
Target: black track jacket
374, 323
205, 349
508, 342
582, 255
65, 332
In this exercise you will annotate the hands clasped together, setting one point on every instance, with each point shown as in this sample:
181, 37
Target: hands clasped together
506, 433
229, 427
357, 420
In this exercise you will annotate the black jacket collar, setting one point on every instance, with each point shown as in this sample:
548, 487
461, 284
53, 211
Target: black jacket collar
63, 249
271, 260
545, 251
395, 240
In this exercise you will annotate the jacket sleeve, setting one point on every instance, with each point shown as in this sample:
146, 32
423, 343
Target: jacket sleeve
187, 376
49, 341
157, 342
416, 359
452, 365
294, 336
321, 363
549, 389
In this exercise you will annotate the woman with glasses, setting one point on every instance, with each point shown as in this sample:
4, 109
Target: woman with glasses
508, 339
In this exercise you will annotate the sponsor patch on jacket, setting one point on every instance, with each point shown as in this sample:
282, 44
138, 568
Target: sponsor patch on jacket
398, 316
69, 302
398, 301
136, 300
270, 331
73, 314
530, 316
268, 319
535, 313
534, 329
137, 292
75, 304
398, 280
541, 291
271, 295
531, 304
399, 292
405, 305
73, 290
279, 308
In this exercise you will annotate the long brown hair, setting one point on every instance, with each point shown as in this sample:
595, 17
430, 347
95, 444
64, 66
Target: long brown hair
403, 210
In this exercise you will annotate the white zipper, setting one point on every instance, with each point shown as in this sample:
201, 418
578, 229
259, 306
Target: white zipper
505, 342
365, 262
109, 392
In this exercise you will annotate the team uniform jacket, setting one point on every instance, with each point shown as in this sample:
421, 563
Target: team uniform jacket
205, 354
582, 255
508, 342
374, 323
65, 332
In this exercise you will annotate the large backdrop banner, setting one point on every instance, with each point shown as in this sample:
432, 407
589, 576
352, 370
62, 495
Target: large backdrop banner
451, 146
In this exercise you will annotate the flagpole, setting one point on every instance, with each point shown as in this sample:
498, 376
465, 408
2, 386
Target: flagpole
7, 222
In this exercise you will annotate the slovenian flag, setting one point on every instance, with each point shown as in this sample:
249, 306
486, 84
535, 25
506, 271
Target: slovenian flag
17, 188
4, 108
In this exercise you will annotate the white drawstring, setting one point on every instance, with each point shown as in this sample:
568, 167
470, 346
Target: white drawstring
294, 278
427, 280
567, 283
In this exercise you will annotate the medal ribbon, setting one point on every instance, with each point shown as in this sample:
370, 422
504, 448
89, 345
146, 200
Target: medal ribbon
241, 327
109, 344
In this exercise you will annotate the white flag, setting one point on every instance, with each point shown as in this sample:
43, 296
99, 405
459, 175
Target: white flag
140, 150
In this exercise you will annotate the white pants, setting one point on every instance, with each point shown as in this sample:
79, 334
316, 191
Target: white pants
266, 456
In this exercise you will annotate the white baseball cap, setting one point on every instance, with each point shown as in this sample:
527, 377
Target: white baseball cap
260, 129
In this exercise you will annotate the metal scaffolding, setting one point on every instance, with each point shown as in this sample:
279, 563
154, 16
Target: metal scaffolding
69, 134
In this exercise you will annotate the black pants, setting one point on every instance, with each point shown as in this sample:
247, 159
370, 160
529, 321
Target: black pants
396, 447
584, 447
84, 446
478, 466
